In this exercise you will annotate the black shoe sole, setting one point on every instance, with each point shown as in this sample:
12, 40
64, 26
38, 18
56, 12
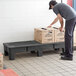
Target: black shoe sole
66, 58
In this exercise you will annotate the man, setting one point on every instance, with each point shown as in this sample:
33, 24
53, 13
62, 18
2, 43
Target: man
65, 11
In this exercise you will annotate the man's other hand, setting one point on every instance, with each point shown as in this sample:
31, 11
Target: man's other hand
61, 29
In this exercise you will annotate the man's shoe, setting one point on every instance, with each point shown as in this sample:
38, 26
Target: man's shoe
66, 58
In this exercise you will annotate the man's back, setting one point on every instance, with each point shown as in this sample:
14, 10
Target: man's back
65, 10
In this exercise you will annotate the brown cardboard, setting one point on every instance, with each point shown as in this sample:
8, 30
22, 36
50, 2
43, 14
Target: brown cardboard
58, 36
44, 36
1, 66
1, 61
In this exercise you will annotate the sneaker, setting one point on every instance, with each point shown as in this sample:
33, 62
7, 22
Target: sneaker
66, 58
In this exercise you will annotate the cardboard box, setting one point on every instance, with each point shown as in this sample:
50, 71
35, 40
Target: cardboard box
1, 58
59, 36
75, 38
44, 35
1, 66
8, 72
1, 61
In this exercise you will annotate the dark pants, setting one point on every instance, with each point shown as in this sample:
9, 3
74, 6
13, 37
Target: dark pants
69, 29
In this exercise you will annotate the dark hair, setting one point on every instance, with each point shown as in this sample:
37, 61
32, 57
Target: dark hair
52, 2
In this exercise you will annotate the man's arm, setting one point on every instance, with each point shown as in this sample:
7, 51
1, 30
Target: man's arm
59, 17
60, 20
55, 20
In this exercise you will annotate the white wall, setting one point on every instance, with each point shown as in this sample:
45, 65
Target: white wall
18, 18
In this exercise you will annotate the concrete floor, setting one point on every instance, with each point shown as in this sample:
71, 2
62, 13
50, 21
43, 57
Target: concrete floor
27, 64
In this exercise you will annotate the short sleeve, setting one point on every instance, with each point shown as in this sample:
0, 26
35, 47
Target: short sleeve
56, 11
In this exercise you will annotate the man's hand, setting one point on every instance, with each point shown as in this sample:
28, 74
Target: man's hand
61, 29
49, 26
55, 20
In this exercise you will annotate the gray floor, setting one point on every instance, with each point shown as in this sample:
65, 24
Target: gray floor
49, 64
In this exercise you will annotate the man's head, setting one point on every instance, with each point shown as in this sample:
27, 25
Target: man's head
52, 3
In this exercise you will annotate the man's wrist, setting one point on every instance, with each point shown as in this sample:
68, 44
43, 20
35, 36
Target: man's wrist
50, 24
61, 26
